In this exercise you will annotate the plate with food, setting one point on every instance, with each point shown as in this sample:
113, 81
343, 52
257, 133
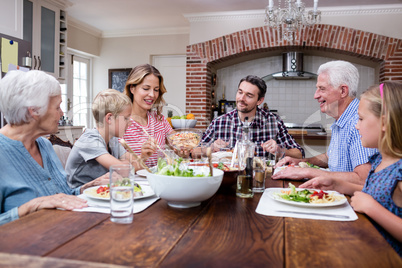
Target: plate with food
103, 192
308, 197
300, 165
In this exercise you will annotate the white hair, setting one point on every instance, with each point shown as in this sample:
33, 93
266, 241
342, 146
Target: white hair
22, 90
341, 72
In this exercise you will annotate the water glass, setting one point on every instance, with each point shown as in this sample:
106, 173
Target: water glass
269, 169
121, 193
259, 167
280, 153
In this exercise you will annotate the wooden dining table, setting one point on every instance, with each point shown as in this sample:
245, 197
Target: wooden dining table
224, 231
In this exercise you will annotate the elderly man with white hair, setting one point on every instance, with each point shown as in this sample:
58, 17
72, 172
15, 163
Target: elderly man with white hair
346, 158
32, 176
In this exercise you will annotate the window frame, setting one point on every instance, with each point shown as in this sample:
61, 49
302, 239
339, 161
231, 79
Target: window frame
70, 85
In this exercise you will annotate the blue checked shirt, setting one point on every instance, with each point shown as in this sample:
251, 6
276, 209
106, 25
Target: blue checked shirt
345, 152
264, 127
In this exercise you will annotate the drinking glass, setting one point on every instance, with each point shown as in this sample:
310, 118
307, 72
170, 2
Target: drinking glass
244, 187
259, 166
269, 168
121, 193
280, 153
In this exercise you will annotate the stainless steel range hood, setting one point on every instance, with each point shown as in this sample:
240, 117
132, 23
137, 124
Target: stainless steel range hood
292, 68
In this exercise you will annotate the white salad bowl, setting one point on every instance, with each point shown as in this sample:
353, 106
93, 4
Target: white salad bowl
185, 192
184, 123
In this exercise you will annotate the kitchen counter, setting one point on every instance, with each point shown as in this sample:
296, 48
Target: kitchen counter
312, 143
311, 136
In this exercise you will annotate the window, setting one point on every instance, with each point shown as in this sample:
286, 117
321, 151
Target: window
76, 99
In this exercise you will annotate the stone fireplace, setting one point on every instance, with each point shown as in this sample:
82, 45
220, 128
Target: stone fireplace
203, 59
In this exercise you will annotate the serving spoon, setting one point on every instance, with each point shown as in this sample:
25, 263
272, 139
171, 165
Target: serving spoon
125, 145
168, 158
209, 153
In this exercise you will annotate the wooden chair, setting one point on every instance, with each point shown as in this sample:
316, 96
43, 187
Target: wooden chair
62, 148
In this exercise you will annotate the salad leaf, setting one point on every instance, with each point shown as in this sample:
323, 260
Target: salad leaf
297, 196
311, 165
175, 169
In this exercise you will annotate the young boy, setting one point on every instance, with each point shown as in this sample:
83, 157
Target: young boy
97, 149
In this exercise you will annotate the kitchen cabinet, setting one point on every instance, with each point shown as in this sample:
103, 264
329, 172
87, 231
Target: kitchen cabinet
70, 133
44, 25
11, 18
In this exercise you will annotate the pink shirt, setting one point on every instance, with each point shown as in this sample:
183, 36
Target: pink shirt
157, 129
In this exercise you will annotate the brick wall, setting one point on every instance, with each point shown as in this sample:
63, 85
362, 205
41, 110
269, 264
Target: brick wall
203, 57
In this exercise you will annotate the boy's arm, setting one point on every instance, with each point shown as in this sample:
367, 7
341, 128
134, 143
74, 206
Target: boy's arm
107, 160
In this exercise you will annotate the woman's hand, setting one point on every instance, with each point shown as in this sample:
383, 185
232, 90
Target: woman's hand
148, 148
322, 183
362, 202
64, 201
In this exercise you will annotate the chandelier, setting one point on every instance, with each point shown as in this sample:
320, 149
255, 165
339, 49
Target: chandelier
291, 18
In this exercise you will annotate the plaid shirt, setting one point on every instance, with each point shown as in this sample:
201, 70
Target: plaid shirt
264, 127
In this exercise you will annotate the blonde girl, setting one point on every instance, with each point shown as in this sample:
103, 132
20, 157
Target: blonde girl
380, 113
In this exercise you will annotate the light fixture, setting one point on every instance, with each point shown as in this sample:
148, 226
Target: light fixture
291, 18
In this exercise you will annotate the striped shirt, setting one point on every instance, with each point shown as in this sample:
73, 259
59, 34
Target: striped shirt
158, 129
264, 127
345, 152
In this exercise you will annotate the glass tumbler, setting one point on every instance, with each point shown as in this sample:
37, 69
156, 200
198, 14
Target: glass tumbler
121, 193
259, 167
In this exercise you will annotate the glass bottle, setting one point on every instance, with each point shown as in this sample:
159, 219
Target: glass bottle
222, 105
245, 147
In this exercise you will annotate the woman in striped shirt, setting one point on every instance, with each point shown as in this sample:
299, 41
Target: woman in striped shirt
145, 88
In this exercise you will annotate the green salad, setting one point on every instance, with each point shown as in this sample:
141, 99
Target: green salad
176, 169
127, 182
294, 195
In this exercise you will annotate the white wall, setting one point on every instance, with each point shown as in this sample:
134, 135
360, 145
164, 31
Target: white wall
129, 52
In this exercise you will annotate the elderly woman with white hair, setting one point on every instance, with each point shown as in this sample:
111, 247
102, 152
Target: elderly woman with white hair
32, 176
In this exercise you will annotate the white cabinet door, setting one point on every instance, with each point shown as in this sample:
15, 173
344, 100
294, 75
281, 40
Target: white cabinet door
11, 18
41, 27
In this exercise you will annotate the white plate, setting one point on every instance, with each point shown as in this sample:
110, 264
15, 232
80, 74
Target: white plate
272, 194
147, 193
142, 172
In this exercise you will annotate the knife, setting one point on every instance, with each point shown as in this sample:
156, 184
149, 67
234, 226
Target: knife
314, 214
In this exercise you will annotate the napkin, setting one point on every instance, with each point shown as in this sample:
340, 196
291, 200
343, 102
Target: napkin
270, 207
102, 206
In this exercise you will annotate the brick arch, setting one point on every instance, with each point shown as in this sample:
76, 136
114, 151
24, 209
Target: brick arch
201, 57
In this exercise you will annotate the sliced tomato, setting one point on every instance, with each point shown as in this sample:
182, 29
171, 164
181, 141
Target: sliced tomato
320, 194
102, 189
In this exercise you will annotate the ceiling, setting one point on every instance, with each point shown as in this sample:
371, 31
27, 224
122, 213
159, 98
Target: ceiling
108, 16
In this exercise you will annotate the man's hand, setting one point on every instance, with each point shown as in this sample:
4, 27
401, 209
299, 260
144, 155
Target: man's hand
218, 145
270, 146
288, 161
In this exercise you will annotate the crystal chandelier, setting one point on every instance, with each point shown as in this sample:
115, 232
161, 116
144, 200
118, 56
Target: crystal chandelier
291, 18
